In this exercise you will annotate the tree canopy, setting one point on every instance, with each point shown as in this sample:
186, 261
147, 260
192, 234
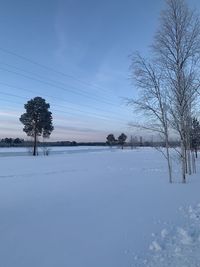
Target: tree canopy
111, 139
121, 139
37, 119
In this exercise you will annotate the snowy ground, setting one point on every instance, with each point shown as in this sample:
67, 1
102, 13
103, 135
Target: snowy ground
27, 151
106, 208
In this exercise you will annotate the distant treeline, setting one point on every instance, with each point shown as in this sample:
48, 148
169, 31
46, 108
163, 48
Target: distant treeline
19, 142
11, 142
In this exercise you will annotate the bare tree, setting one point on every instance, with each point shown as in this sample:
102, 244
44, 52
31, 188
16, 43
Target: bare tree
152, 100
169, 83
177, 50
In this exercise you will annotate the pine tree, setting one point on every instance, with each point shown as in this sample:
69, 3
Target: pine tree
111, 139
37, 120
121, 140
195, 135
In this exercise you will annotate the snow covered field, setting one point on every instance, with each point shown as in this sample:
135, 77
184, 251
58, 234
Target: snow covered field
27, 151
106, 208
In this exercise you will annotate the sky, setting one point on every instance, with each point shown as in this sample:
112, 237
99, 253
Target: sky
76, 55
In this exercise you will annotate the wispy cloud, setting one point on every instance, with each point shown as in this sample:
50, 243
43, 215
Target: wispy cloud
60, 35
78, 129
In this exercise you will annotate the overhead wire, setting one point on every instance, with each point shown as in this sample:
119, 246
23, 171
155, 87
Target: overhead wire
93, 115
77, 91
66, 86
53, 70
62, 106
34, 62
54, 97
54, 86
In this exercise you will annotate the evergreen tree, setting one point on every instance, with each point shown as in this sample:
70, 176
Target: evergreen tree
195, 135
17, 141
37, 120
121, 140
8, 141
110, 139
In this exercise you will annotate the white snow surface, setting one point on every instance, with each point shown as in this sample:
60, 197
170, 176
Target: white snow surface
106, 208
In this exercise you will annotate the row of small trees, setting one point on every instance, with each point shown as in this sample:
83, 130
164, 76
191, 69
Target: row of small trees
119, 141
11, 141
169, 82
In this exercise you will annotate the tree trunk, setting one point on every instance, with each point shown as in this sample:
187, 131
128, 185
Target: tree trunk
189, 162
35, 144
168, 156
185, 155
183, 162
193, 163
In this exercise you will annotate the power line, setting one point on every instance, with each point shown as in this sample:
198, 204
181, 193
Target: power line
52, 85
49, 68
63, 100
93, 115
58, 125
80, 92
56, 82
58, 87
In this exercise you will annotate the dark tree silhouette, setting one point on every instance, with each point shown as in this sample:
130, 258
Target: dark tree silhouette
37, 120
111, 139
195, 135
8, 141
122, 139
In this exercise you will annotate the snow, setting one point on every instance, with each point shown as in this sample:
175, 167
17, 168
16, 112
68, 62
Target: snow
27, 151
102, 208
181, 247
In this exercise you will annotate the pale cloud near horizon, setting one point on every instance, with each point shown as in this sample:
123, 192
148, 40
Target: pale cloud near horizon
79, 129
9, 113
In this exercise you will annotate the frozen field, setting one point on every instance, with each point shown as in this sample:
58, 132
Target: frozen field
27, 151
97, 209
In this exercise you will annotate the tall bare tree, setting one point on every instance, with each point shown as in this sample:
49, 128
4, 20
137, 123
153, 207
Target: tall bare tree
177, 50
152, 100
176, 54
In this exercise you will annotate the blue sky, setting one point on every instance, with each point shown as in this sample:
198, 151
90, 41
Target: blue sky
75, 54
